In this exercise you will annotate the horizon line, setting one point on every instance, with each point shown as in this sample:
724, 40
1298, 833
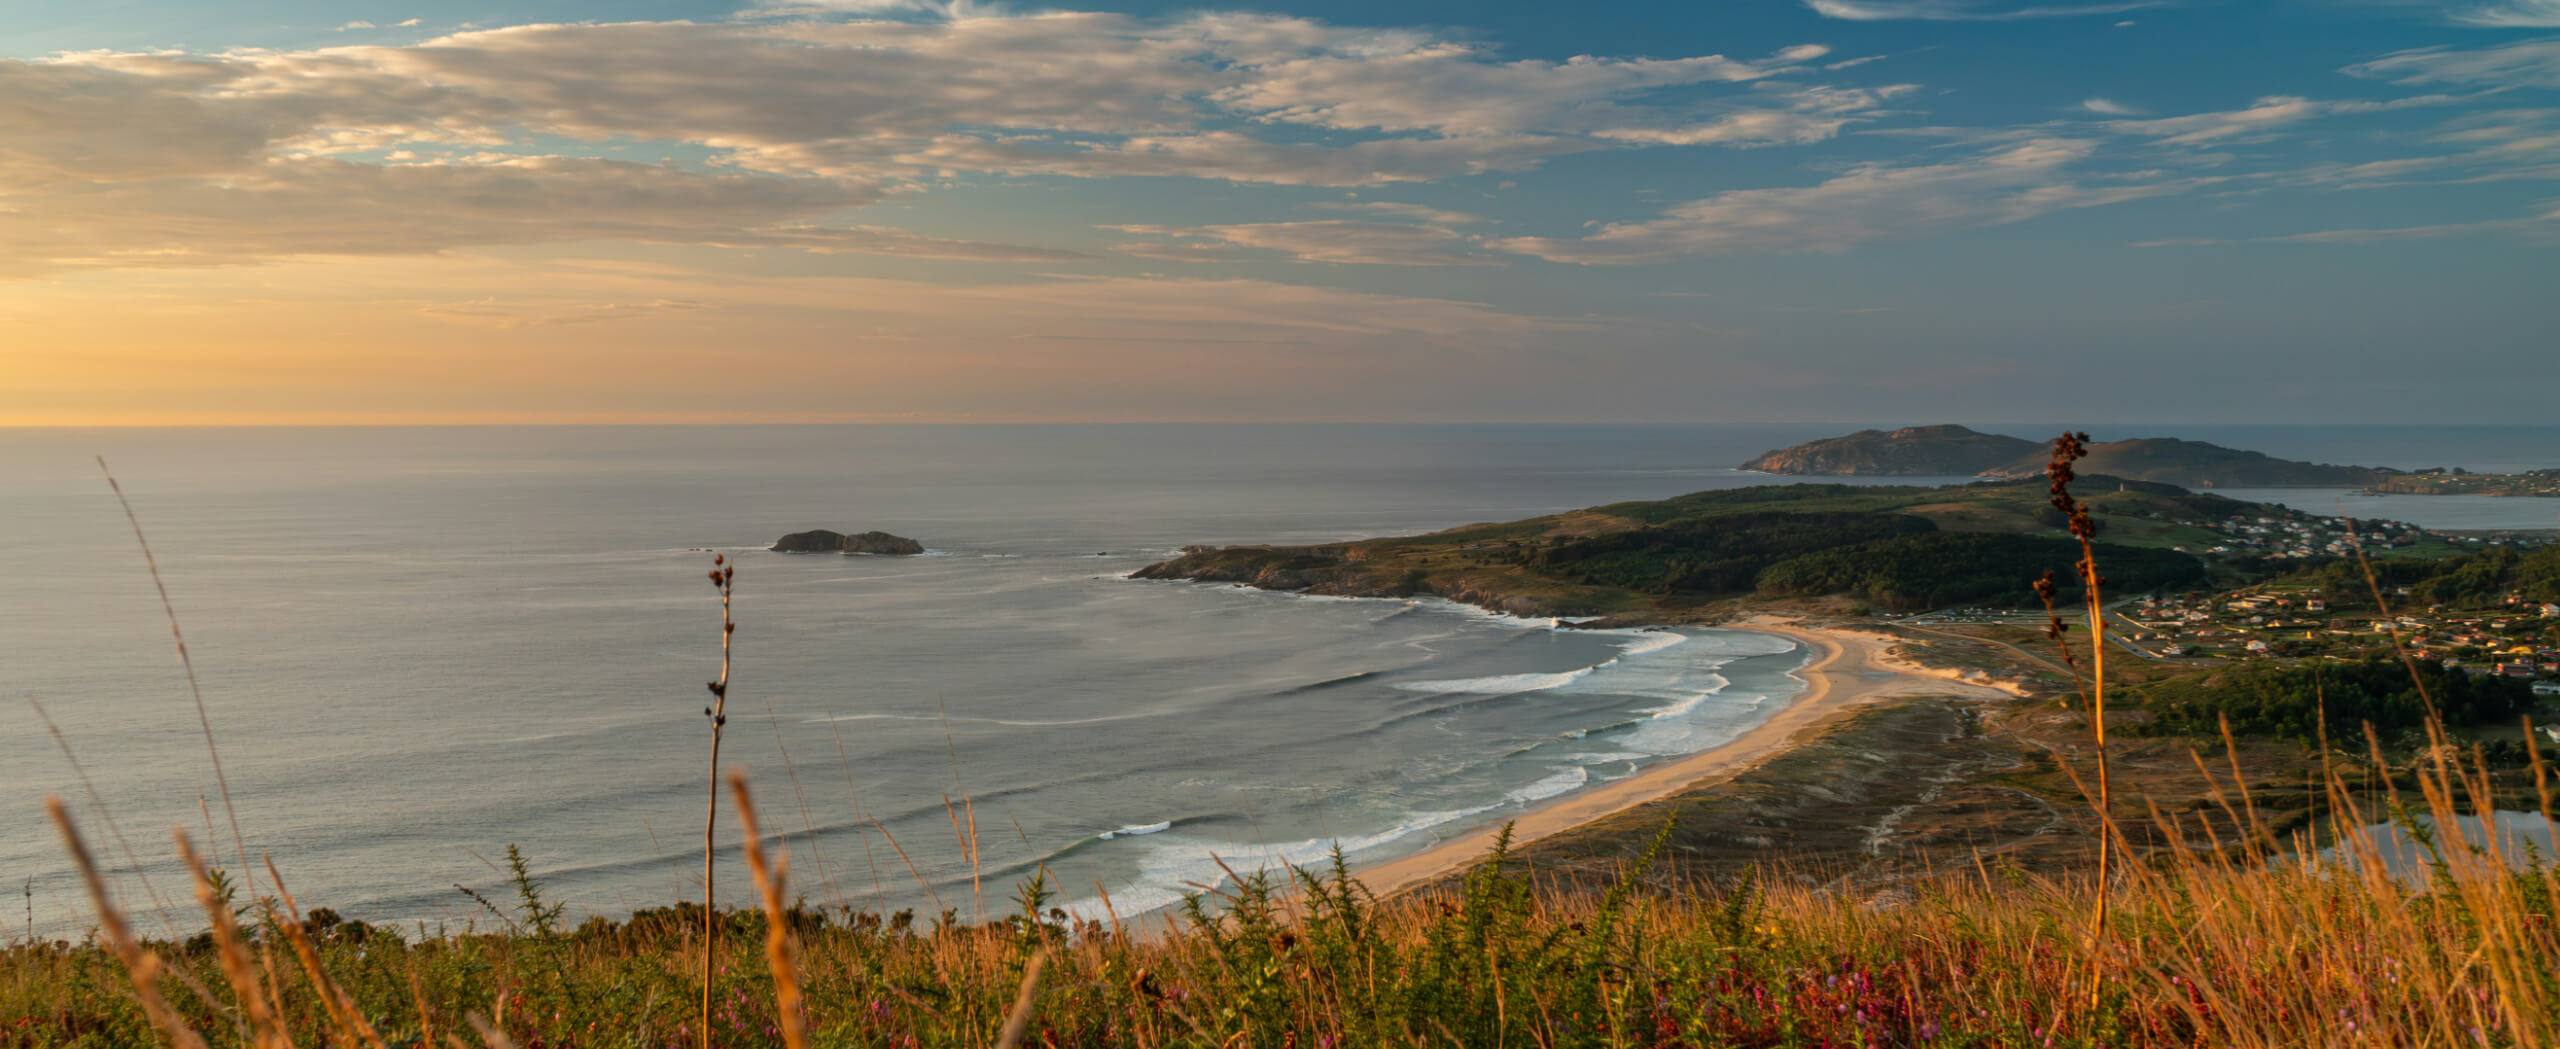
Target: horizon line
471, 422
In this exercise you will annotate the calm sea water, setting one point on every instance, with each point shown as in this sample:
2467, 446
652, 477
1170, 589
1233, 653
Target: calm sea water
421, 645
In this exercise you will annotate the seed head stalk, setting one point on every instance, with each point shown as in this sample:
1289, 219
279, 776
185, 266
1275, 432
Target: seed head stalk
724, 576
2068, 449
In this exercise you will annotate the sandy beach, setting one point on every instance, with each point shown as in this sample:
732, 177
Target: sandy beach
1850, 668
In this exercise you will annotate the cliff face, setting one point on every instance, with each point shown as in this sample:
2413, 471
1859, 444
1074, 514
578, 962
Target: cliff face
1954, 451
1913, 451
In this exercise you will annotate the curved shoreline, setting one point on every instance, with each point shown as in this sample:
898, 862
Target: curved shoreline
1850, 669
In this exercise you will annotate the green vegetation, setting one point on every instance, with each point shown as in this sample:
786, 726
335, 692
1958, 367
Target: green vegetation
1941, 569
2286, 700
1891, 546
1893, 560
1714, 555
2482, 580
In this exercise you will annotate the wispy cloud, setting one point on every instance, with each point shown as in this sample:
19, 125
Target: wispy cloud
2513, 14
491, 312
2258, 121
1869, 203
1321, 240
1964, 10
1417, 212
2109, 107
1793, 116
2545, 223
2532, 62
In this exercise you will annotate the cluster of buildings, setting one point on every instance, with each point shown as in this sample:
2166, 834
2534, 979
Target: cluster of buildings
2520, 640
2456, 481
2306, 536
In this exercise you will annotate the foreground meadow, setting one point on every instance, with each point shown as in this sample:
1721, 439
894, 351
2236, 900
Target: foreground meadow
2208, 948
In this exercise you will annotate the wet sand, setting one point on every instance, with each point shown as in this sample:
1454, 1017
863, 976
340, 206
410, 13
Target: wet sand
1849, 669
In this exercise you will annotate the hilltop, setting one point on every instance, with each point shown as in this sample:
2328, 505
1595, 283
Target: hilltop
1950, 450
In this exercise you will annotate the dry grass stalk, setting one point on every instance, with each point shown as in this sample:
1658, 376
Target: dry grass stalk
265, 1026
343, 1011
490, 1035
724, 576
204, 720
98, 803
141, 966
1017, 1021
780, 951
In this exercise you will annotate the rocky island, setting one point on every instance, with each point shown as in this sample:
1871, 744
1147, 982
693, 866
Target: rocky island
1954, 451
822, 541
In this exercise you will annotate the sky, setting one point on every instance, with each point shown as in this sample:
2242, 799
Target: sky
431, 211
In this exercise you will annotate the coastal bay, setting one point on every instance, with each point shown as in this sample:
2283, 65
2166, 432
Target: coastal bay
1845, 669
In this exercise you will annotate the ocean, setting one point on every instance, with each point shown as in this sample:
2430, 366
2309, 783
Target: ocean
419, 646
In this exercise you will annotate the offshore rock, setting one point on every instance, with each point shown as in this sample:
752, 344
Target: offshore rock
822, 541
882, 543
815, 541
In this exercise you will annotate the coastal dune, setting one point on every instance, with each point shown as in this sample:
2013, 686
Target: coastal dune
1849, 669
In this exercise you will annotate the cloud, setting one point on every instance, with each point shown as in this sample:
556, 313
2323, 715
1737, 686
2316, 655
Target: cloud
326, 206
1322, 240
156, 157
2258, 122
1963, 10
356, 25
2533, 62
407, 22
2493, 146
1457, 89
490, 312
2544, 222
1871, 202
1188, 251
2513, 14
1801, 117
2109, 107
1417, 212
1240, 157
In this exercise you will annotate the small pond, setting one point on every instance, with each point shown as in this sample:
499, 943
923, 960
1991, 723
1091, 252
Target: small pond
2520, 834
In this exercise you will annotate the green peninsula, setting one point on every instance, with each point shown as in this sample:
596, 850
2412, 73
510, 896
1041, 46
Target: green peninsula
1696, 557
1956, 451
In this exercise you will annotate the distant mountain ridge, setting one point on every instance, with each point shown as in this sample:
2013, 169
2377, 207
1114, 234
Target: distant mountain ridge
1948, 450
